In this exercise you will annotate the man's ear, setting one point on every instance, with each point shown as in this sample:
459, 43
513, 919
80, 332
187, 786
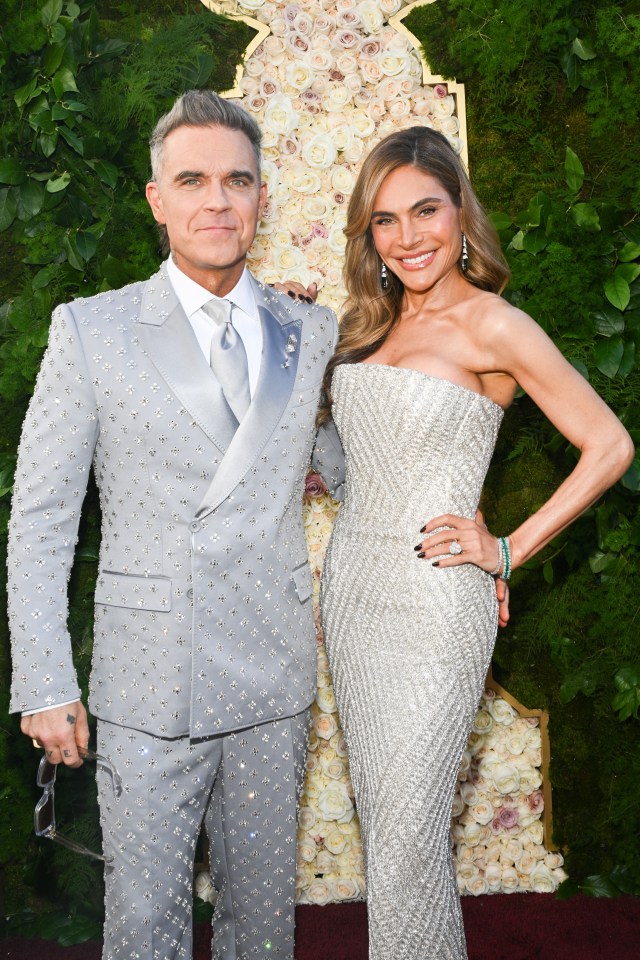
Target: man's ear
261, 201
154, 200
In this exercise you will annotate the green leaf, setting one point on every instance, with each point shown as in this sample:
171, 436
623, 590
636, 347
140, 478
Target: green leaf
109, 49
56, 184
585, 215
115, 272
574, 171
11, 171
8, 207
57, 33
107, 172
631, 479
628, 271
583, 49
30, 199
52, 58
571, 67
44, 277
75, 105
598, 885
628, 361
547, 571
626, 702
501, 221
48, 143
568, 888
86, 244
580, 367
608, 356
73, 11
28, 92
599, 561
50, 13
63, 81
72, 139
534, 242
617, 291
630, 251
608, 321
516, 242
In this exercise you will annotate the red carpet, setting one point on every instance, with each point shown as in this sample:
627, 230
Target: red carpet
506, 927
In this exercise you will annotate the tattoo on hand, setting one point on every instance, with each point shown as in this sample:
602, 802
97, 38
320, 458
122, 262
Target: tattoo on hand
71, 719
67, 753
49, 753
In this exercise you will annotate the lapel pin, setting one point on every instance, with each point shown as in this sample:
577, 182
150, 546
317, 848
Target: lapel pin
292, 343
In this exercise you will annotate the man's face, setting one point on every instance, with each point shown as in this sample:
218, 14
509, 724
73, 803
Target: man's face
208, 195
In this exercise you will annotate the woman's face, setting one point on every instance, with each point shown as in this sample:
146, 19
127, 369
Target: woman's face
416, 228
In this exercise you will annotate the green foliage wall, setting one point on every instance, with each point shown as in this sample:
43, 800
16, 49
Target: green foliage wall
553, 94
82, 83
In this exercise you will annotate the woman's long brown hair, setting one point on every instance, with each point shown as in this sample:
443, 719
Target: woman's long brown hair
371, 312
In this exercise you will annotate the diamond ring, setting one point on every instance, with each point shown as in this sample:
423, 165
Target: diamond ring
455, 548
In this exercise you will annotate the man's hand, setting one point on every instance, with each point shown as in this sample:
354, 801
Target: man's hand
60, 731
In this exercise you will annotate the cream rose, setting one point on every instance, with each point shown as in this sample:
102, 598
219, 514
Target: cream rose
347, 888
334, 803
320, 152
506, 778
392, 63
325, 725
336, 842
299, 75
482, 812
493, 876
204, 888
371, 16
371, 70
307, 849
280, 117
333, 767
476, 885
306, 818
542, 880
473, 834
320, 892
326, 700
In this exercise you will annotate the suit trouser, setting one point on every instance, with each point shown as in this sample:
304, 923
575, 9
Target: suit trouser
244, 787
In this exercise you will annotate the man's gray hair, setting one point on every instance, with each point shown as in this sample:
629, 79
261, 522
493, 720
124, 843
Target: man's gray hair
202, 108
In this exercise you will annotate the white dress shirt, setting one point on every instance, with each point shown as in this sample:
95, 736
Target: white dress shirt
245, 318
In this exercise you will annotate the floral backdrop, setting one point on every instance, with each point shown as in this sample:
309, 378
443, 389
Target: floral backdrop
330, 80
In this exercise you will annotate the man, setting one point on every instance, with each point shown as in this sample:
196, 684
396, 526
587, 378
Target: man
194, 395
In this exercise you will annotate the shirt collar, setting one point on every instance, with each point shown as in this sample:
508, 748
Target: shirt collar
192, 296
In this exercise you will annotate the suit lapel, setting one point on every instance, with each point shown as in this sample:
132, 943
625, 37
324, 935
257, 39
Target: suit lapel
280, 351
171, 345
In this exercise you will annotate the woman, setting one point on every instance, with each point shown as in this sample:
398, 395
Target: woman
428, 359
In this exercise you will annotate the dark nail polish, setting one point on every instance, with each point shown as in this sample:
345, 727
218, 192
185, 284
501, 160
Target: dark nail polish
309, 299
436, 563
421, 555
422, 529
291, 294
418, 547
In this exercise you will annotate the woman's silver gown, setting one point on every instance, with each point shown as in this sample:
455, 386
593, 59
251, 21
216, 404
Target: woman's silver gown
409, 644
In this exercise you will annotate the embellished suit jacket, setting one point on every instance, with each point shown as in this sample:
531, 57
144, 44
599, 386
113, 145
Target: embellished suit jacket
203, 612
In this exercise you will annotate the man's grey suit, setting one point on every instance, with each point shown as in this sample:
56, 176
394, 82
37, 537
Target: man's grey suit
204, 639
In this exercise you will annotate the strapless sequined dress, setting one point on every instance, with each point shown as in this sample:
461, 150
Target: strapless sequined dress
409, 644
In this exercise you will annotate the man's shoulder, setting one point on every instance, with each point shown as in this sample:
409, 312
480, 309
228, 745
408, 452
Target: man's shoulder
125, 300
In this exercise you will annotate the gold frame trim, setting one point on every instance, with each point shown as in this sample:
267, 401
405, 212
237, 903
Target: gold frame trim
543, 716
262, 33
457, 89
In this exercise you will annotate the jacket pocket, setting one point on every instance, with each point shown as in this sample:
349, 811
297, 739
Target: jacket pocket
303, 582
300, 397
128, 590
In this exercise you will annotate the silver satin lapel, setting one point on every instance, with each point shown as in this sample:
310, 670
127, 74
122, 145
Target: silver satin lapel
280, 352
173, 348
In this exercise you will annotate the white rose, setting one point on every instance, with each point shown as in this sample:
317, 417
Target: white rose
501, 711
320, 152
533, 738
363, 125
542, 880
254, 66
299, 75
249, 85
307, 849
334, 803
318, 208
371, 70
204, 888
389, 88
493, 876
338, 744
326, 700
553, 860
458, 805
312, 762
473, 834
468, 793
371, 16
336, 842
506, 778
389, 7
353, 152
399, 109
530, 780
325, 725
477, 885
280, 117
534, 832
320, 60
482, 812
306, 818
449, 125
305, 181
347, 888
514, 849
303, 23
324, 23
251, 4
394, 62
320, 892
515, 743
333, 767
337, 240
342, 180
325, 862
509, 879
339, 97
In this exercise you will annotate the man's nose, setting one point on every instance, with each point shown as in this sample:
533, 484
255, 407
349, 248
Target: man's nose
216, 197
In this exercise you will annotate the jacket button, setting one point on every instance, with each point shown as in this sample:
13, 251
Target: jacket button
190, 593
195, 525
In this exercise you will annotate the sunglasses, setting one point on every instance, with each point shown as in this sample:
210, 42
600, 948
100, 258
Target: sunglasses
44, 818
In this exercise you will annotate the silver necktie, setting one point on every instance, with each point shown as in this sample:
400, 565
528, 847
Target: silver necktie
228, 357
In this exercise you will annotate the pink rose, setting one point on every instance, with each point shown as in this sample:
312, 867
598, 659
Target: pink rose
508, 817
314, 485
535, 801
441, 91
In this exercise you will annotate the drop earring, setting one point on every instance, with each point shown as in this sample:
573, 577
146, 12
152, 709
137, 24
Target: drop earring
464, 259
384, 279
